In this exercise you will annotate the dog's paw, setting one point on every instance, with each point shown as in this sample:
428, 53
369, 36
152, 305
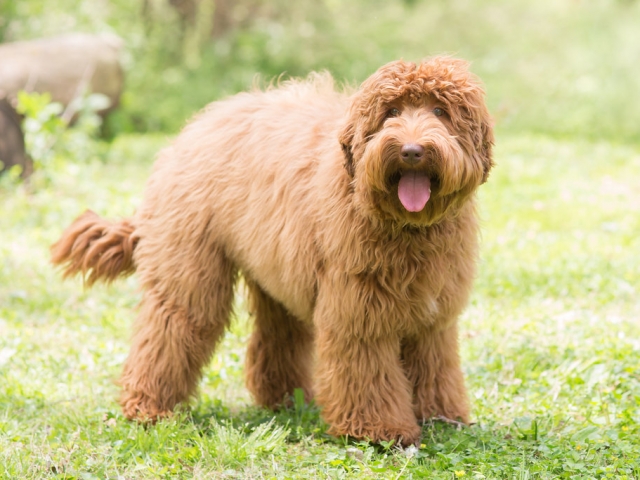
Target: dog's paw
454, 415
142, 409
404, 436
450, 421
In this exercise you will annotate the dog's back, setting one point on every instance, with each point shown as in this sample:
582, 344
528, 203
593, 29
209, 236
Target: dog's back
217, 183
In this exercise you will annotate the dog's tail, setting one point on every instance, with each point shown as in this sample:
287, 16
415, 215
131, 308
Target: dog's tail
96, 248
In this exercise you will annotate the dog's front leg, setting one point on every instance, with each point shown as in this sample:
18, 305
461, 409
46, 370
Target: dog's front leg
360, 383
432, 364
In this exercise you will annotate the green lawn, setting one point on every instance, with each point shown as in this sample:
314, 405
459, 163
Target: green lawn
550, 340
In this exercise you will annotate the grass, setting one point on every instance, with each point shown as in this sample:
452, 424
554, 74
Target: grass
550, 340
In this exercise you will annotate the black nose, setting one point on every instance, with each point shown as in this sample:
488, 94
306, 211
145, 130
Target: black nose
412, 153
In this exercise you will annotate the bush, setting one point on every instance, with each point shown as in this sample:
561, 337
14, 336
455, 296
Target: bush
49, 139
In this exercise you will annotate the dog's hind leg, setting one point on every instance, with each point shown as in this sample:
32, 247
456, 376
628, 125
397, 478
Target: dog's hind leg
280, 352
176, 332
432, 364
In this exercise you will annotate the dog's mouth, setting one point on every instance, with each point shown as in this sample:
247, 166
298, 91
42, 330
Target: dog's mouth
414, 188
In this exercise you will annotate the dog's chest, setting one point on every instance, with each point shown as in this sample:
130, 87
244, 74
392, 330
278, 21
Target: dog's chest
417, 282
413, 281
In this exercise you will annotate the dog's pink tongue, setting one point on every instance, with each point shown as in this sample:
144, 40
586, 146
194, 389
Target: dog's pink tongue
414, 190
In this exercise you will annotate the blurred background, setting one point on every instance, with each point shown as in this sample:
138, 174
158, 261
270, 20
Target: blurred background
556, 67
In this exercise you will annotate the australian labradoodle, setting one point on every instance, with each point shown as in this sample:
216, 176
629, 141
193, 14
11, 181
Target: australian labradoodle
352, 221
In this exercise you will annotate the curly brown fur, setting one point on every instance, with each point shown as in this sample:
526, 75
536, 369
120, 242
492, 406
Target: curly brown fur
96, 248
352, 220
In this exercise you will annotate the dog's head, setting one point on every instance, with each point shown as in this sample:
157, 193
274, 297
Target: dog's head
417, 140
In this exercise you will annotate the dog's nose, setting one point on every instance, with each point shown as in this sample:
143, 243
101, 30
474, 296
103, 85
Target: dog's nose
412, 153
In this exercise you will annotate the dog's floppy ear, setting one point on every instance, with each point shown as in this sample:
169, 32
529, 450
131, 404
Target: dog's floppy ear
353, 131
367, 109
346, 142
460, 87
486, 149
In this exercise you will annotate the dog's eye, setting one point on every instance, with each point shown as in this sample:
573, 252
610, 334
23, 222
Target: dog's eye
394, 112
438, 112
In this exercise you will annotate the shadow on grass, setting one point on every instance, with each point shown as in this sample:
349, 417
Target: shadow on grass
303, 422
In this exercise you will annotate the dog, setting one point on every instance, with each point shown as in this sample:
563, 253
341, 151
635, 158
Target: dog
351, 218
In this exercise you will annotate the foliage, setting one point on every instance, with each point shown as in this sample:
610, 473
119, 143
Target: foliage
49, 139
42, 125
550, 341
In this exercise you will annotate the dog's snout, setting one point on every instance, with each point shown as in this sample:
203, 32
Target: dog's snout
412, 153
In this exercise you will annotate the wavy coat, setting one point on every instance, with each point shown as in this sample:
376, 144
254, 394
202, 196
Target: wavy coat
354, 298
